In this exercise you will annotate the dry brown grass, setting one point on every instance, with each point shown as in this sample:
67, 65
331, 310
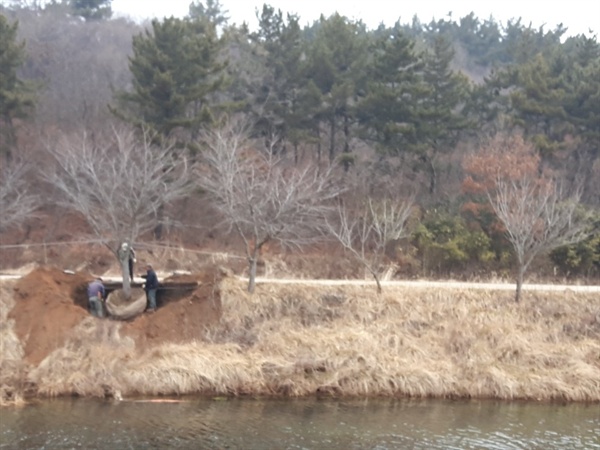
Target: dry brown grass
12, 368
420, 342
89, 364
345, 340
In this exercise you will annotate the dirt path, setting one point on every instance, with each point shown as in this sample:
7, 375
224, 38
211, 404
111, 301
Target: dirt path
402, 283
434, 284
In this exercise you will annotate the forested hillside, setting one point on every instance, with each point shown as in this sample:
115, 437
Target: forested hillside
451, 148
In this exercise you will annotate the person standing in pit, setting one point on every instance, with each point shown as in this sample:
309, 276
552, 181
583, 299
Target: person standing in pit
151, 287
96, 296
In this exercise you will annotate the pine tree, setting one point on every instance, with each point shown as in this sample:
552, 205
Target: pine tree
386, 112
555, 95
213, 12
92, 9
16, 95
439, 107
278, 42
177, 69
337, 61
582, 84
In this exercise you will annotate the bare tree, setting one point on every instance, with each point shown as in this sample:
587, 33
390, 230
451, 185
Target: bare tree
118, 186
532, 206
366, 231
17, 203
260, 195
538, 216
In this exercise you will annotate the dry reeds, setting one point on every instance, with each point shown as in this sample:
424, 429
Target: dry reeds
421, 342
90, 363
297, 340
12, 367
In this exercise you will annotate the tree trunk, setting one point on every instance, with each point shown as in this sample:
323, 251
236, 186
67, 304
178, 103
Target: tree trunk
379, 289
252, 262
520, 275
251, 273
346, 134
332, 140
296, 154
376, 277
158, 229
123, 255
319, 147
432, 176
10, 140
125, 273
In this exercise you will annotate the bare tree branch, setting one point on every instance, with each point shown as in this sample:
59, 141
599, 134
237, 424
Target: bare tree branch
16, 202
366, 230
260, 195
538, 216
118, 186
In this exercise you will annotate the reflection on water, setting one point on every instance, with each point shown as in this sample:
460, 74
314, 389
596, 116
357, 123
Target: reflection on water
300, 424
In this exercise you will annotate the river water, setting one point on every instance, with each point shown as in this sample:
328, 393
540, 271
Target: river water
223, 423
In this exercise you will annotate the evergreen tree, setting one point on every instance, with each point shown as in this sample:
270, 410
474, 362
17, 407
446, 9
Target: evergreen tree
521, 44
92, 9
555, 95
279, 46
16, 95
177, 70
284, 104
439, 109
213, 12
538, 101
337, 61
482, 40
387, 110
582, 84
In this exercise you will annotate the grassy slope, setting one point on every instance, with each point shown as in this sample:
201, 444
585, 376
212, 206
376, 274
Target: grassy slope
345, 340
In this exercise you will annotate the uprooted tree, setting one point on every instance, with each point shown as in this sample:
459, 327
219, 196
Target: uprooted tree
118, 183
261, 195
536, 211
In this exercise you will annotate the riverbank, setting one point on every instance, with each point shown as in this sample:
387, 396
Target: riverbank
304, 340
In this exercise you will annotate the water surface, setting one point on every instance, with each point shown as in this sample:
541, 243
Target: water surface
200, 423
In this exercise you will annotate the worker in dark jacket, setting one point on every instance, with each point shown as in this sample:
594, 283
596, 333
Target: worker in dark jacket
151, 287
96, 296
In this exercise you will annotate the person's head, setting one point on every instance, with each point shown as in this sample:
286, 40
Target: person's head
148, 266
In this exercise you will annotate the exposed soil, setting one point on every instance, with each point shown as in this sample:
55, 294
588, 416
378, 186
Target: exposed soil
182, 314
50, 303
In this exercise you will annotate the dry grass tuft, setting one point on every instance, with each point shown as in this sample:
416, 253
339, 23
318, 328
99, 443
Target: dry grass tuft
89, 364
12, 368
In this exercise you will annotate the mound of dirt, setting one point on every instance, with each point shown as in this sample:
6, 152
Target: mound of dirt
184, 313
50, 303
